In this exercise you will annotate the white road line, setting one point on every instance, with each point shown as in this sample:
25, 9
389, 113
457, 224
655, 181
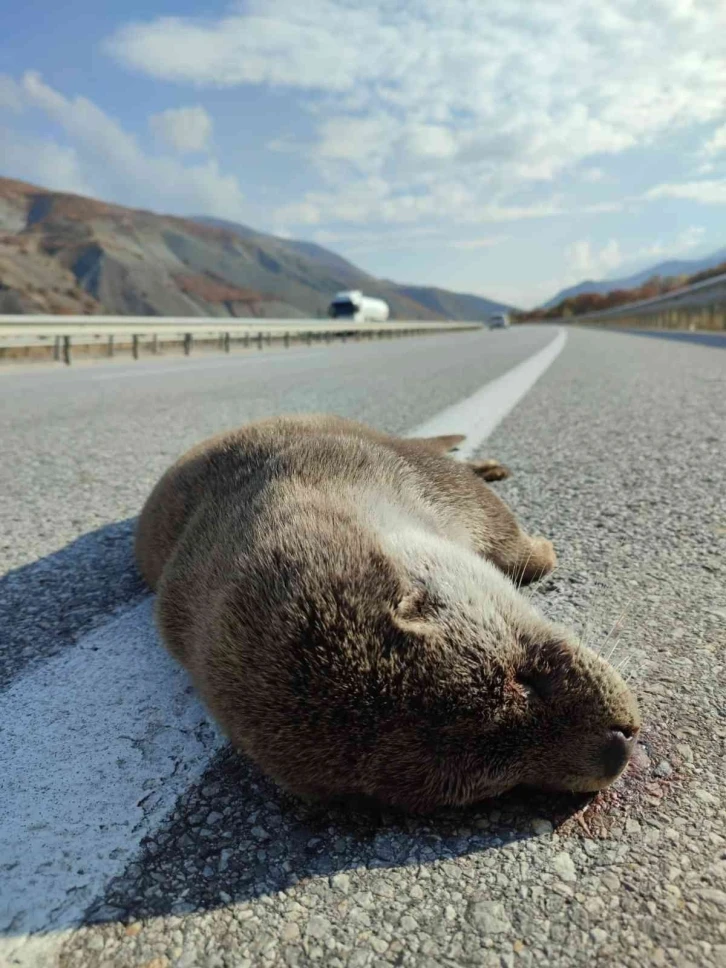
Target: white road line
478, 415
99, 742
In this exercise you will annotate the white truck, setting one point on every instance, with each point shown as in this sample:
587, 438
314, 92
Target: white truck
356, 307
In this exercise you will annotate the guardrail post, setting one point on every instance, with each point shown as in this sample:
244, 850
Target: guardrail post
308, 338
246, 340
187, 344
135, 346
56, 348
287, 339
259, 341
67, 350
226, 342
155, 344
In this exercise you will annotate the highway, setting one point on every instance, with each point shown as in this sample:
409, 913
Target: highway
123, 811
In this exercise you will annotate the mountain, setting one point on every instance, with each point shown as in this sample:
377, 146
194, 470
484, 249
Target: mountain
453, 305
309, 249
440, 302
665, 270
67, 254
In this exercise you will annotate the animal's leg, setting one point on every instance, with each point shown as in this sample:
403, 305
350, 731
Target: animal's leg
521, 556
488, 470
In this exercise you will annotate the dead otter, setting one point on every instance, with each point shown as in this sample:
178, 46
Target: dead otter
345, 602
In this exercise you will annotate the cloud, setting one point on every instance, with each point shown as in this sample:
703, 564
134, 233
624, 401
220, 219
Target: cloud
375, 199
469, 244
585, 261
273, 43
11, 96
689, 238
707, 192
185, 130
706, 168
431, 141
593, 175
405, 238
360, 141
489, 96
716, 144
45, 163
110, 163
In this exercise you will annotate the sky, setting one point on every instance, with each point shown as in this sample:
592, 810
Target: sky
502, 147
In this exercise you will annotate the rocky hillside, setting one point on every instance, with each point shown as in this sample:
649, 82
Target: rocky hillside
679, 270
429, 302
67, 254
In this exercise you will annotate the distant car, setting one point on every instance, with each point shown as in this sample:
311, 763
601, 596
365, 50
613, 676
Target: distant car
498, 321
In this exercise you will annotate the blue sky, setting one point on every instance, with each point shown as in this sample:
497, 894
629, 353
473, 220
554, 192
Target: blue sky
507, 148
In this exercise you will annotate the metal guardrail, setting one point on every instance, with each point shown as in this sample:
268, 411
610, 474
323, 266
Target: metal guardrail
706, 296
18, 332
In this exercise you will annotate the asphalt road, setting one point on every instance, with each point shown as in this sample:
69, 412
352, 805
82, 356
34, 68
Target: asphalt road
617, 454
704, 337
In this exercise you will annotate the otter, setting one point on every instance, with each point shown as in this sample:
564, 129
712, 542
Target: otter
347, 604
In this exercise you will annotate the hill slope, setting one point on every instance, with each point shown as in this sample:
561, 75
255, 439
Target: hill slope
674, 268
62, 253
440, 302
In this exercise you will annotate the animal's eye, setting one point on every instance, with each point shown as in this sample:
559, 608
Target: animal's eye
536, 685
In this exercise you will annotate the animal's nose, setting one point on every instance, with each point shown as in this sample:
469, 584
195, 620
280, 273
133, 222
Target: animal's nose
617, 750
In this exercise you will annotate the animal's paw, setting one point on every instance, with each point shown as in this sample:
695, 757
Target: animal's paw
543, 559
538, 560
489, 470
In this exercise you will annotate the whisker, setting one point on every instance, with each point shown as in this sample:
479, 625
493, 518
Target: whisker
616, 624
621, 669
523, 571
519, 575
585, 635
624, 662
613, 654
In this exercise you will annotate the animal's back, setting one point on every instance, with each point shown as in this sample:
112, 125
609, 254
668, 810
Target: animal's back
321, 451
238, 462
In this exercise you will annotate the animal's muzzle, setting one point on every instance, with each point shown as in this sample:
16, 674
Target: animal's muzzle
616, 751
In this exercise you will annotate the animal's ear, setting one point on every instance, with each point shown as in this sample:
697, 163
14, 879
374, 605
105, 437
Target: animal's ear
443, 444
415, 612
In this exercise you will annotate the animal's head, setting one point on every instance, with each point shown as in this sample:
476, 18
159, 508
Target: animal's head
412, 672
505, 697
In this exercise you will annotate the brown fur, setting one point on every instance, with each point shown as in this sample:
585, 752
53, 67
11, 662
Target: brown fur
338, 599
